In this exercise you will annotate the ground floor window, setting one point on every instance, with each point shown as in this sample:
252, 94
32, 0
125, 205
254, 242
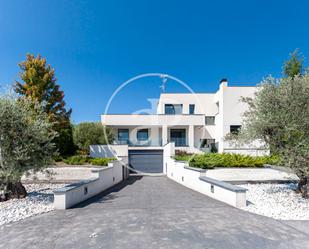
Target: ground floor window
123, 135
235, 129
205, 143
178, 136
142, 135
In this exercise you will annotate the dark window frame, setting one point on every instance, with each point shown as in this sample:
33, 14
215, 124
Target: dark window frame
235, 129
207, 142
210, 118
139, 132
173, 109
124, 131
192, 111
179, 141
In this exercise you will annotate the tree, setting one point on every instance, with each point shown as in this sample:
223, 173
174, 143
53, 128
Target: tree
25, 143
279, 115
39, 84
89, 133
295, 65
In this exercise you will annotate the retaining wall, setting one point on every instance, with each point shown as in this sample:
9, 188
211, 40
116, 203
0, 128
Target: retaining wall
195, 179
103, 178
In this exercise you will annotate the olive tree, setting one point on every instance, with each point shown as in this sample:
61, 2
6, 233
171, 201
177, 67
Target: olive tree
25, 143
279, 115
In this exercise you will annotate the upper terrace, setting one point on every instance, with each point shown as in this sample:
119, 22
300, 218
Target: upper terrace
152, 119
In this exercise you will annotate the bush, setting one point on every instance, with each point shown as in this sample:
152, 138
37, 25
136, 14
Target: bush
101, 161
81, 160
85, 134
181, 155
212, 160
76, 160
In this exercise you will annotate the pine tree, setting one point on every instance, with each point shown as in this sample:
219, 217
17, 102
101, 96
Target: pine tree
294, 66
38, 83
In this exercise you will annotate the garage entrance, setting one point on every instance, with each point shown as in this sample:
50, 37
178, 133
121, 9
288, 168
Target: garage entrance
146, 161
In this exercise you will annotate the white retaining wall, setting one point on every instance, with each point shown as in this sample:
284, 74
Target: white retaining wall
108, 151
194, 178
103, 178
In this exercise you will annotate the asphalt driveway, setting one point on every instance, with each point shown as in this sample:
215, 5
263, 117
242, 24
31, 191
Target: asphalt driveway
153, 212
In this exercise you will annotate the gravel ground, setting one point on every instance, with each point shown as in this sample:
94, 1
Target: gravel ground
39, 200
278, 201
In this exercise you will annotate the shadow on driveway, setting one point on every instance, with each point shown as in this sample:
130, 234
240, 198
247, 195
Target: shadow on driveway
109, 194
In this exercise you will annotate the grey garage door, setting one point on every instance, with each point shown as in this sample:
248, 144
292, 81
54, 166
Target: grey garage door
146, 161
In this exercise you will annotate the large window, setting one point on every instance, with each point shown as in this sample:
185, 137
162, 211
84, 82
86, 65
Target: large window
123, 135
209, 120
142, 135
178, 136
191, 109
173, 109
235, 129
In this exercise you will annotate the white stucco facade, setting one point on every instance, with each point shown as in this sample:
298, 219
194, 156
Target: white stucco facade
196, 122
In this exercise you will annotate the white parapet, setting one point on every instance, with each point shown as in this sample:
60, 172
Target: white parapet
195, 179
103, 178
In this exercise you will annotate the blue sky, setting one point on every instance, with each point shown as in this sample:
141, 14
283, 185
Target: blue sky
97, 45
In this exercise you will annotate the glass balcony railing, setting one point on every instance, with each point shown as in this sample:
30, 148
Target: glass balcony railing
146, 143
179, 141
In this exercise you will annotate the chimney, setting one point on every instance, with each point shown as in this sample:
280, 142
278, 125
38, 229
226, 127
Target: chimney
223, 82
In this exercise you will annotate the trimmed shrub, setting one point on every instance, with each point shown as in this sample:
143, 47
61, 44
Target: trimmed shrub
213, 160
76, 160
101, 161
81, 160
181, 155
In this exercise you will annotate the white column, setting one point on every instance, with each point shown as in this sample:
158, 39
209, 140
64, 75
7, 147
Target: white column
191, 136
164, 135
154, 135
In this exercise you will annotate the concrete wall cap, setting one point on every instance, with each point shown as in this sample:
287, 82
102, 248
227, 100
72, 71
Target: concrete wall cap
221, 184
195, 169
72, 186
98, 169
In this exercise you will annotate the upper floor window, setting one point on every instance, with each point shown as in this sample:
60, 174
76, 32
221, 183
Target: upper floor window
209, 120
235, 129
123, 134
173, 109
142, 135
191, 109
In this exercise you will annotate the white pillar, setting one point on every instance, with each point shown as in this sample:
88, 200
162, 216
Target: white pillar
191, 136
154, 135
164, 135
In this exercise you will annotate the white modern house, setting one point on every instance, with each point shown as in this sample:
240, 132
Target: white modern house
195, 122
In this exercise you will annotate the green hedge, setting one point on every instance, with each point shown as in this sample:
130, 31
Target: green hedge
213, 160
81, 160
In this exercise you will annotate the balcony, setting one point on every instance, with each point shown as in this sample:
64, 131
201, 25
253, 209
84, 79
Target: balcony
152, 120
179, 141
146, 143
